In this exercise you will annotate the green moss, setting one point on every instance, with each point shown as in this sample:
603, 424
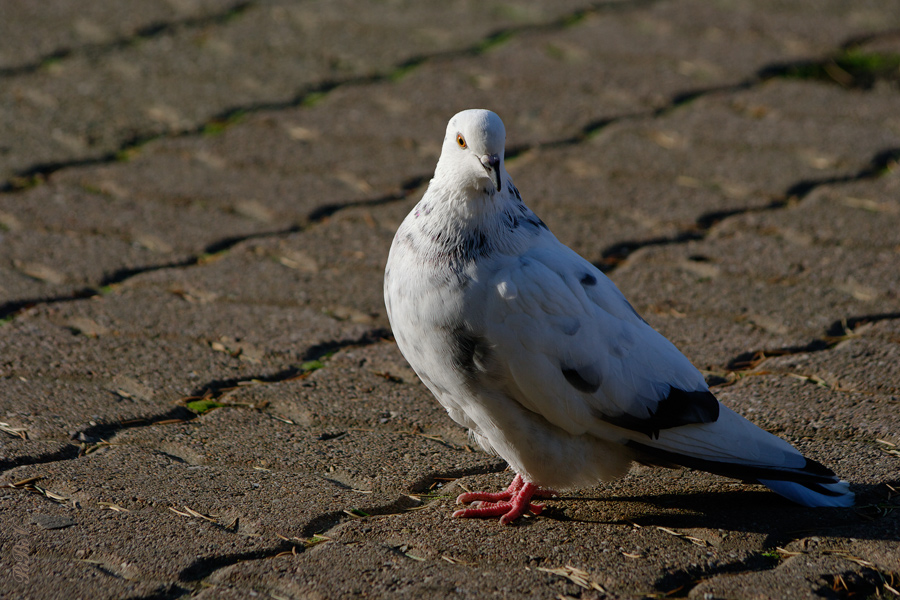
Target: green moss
312, 365
203, 406
208, 257
404, 70
50, 62
218, 125
313, 98
24, 182
316, 539
850, 68
873, 63
493, 41
126, 154
214, 127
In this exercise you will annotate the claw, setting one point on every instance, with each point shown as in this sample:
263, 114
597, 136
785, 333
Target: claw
509, 505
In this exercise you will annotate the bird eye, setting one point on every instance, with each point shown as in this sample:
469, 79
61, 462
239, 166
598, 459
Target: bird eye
460, 140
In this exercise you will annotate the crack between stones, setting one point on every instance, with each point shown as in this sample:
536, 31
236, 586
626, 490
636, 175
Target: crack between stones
202, 568
26, 178
678, 584
36, 174
85, 439
610, 258
143, 33
10, 309
67, 452
216, 389
881, 162
205, 566
837, 332
325, 522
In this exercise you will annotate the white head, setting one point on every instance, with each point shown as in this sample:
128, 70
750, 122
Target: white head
472, 155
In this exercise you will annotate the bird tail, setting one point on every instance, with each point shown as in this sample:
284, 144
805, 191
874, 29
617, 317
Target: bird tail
817, 494
734, 447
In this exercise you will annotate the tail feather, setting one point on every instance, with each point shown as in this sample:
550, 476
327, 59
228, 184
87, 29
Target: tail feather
811, 473
813, 484
734, 447
820, 494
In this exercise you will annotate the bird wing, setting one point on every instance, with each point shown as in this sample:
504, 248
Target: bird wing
573, 350
566, 344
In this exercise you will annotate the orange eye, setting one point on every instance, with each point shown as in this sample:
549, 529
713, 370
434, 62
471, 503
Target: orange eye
460, 140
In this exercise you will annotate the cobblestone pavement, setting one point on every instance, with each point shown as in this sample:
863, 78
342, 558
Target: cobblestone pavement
199, 395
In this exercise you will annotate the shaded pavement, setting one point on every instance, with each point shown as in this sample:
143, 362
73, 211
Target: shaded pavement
199, 394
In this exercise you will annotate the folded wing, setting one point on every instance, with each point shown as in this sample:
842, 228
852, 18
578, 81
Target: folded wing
573, 350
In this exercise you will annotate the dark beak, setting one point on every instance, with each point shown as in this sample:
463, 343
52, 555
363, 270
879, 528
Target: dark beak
491, 163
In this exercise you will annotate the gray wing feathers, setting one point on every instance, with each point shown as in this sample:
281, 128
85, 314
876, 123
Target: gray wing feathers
577, 353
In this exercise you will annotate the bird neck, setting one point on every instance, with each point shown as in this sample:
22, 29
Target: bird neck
457, 226
463, 207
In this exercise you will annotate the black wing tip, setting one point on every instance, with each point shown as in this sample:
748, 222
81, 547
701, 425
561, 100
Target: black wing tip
821, 489
818, 468
675, 410
579, 381
812, 475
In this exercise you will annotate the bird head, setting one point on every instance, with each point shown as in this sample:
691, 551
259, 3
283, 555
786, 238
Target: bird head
473, 151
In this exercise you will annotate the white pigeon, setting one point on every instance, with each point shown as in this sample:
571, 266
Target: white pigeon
542, 358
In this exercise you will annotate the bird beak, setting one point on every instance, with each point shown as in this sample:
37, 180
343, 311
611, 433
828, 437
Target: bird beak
491, 163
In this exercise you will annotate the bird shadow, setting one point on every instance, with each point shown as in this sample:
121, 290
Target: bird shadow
874, 517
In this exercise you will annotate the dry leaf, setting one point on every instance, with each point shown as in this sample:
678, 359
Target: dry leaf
40, 272
254, 210
576, 576
85, 326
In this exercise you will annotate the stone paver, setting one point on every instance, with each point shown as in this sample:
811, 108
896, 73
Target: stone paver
199, 394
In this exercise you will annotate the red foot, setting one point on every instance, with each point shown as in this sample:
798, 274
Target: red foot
508, 505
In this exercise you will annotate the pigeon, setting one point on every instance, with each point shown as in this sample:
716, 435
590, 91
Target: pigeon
538, 353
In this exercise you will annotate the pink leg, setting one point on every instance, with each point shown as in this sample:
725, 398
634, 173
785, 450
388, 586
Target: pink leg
514, 487
508, 505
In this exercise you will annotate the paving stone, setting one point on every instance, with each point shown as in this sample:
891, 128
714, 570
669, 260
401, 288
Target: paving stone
792, 293
197, 377
52, 521
32, 33
620, 546
129, 91
16, 451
